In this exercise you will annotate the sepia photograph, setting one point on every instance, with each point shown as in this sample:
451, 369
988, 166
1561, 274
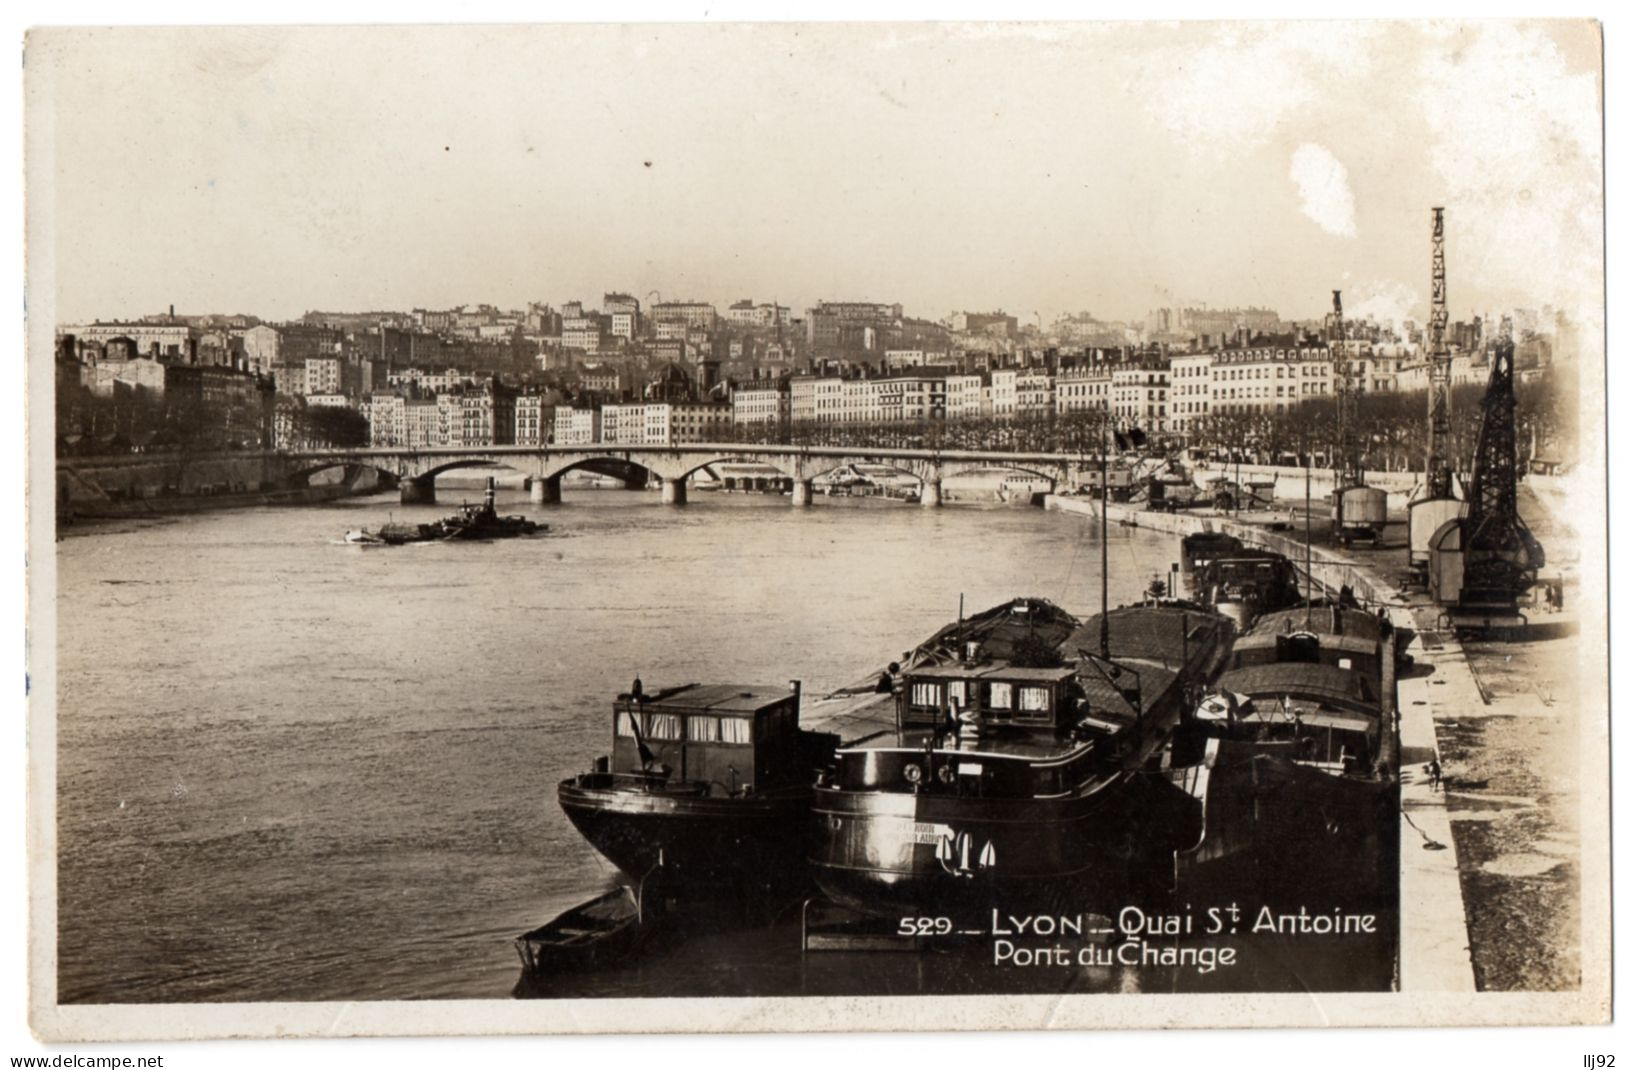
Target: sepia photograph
735, 527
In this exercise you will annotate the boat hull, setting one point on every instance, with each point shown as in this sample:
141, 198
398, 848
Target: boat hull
597, 933
703, 846
896, 853
1294, 829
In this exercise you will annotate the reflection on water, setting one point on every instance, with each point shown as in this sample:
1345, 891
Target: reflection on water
294, 769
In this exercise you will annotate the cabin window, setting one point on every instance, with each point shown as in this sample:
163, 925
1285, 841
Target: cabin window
998, 696
623, 725
1035, 699
1345, 663
663, 726
704, 729
956, 693
735, 730
928, 695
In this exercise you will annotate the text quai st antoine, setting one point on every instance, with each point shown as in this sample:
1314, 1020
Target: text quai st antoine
1135, 938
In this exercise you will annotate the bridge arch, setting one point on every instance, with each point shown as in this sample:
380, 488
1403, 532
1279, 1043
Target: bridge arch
612, 465
302, 476
773, 462
962, 468
514, 464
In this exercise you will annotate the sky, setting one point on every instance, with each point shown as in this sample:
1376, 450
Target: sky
1040, 168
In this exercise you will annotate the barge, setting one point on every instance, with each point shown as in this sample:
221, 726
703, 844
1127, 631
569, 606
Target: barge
1023, 765
1303, 757
706, 789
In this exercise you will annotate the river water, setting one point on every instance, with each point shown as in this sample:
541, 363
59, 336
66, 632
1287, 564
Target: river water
292, 769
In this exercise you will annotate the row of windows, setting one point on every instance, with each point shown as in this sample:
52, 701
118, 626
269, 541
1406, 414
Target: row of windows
995, 696
669, 727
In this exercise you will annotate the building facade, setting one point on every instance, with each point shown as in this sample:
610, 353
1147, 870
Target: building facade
762, 401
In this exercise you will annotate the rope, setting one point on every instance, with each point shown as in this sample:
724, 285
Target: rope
1428, 842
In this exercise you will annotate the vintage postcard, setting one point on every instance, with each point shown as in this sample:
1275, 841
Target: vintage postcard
730, 527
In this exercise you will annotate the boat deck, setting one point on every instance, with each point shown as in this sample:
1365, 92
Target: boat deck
852, 714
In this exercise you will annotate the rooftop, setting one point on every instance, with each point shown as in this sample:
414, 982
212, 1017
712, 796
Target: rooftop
1301, 680
714, 698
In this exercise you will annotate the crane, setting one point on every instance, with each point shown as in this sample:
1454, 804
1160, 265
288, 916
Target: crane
1438, 471
1349, 469
1437, 503
1486, 559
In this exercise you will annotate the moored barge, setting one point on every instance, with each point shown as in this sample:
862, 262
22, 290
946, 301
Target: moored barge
705, 791
1303, 757
1022, 765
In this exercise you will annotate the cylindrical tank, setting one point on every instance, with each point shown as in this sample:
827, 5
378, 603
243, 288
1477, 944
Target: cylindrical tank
1363, 507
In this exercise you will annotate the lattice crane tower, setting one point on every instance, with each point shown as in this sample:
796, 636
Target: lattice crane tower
1349, 471
1439, 476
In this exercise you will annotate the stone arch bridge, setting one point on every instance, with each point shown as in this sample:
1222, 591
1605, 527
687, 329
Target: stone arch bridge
546, 466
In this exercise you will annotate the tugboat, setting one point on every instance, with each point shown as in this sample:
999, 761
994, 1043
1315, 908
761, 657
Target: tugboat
469, 522
1303, 756
1023, 767
483, 522
707, 787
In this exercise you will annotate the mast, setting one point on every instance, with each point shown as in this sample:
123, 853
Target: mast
1105, 643
1439, 476
1308, 554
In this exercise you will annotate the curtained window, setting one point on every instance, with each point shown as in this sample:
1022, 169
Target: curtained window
928, 695
998, 696
735, 729
664, 726
704, 729
1035, 699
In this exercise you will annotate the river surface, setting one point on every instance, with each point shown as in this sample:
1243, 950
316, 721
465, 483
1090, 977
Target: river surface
292, 769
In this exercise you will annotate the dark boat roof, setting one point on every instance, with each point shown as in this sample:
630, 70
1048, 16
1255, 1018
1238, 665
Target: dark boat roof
1216, 538
1345, 643
1300, 680
1250, 553
1105, 702
1355, 623
1000, 631
996, 670
714, 698
1160, 634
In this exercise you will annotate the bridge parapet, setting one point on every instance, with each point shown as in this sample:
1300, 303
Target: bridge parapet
544, 466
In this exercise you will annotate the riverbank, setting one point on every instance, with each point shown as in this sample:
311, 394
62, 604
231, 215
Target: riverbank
180, 505
1489, 863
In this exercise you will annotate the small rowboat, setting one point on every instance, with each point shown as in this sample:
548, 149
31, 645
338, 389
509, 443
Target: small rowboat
596, 933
